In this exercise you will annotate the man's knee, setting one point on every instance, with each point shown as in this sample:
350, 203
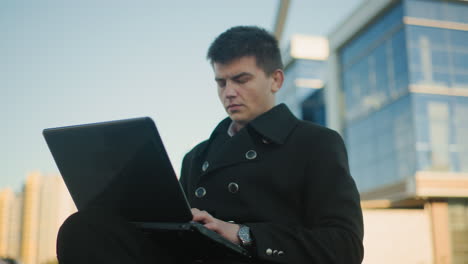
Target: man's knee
74, 227
84, 230
70, 226
81, 222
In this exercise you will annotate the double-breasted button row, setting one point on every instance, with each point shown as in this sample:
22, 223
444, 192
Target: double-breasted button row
200, 192
251, 154
232, 187
205, 166
274, 252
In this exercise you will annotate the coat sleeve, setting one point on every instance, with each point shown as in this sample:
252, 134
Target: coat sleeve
333, 228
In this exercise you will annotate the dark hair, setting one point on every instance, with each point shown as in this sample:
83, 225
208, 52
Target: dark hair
241, 41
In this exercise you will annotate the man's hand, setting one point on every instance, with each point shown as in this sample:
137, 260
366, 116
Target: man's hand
225, 229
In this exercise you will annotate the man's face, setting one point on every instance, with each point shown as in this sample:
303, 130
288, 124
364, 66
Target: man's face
245, 90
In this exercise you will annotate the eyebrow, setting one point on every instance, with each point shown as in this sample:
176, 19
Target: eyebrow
237, 76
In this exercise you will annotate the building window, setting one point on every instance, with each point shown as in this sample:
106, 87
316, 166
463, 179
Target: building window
461, 134
439, 135
458, 222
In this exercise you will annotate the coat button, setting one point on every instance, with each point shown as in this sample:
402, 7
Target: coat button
251, 154
200, 192
269, 252
280, 253
205, 166
233, 187
275, 252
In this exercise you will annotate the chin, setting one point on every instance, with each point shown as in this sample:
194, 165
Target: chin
236, 118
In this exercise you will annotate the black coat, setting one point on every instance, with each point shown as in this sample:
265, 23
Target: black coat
288, 180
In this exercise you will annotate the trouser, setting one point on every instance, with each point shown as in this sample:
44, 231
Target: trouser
96, 236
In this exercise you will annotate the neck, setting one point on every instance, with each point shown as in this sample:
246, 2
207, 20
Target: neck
236, 127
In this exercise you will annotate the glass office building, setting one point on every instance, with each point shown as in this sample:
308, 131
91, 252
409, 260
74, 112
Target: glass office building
405, 85
398, 94
313, 108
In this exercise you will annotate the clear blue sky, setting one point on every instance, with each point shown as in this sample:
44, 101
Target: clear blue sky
65, 62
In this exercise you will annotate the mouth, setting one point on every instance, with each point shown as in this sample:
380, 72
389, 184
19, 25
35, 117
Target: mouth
233, 107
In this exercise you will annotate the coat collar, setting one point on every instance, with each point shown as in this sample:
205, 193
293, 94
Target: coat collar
274, 125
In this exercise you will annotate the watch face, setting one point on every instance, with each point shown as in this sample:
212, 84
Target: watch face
244, 235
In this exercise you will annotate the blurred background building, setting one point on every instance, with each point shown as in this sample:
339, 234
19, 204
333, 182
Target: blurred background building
29, 221
10, 223
305, 68
396, 88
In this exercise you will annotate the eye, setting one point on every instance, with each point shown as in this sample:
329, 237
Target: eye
242, 79
221, 83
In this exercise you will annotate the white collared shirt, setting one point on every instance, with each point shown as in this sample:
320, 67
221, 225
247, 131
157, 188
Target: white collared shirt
231, 132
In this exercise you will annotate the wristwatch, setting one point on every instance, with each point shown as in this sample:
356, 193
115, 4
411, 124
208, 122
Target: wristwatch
244, 236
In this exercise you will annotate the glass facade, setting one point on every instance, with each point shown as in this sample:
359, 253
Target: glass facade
293, 94
391, 130
313, 108
380, 146
441, 124
437, 10
374, 66
437, 56
304, 68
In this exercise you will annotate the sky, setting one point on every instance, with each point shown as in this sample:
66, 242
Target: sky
65, 62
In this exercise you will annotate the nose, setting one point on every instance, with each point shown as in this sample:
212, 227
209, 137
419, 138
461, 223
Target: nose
230, 90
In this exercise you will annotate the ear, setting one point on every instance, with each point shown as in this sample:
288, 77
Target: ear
277, 80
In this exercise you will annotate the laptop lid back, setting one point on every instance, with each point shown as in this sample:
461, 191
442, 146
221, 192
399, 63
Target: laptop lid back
119, 165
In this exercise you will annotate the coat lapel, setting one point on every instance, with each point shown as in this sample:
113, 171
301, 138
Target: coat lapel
272, 127
233, 151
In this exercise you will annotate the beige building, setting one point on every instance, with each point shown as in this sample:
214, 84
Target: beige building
439, 198
55, 206
6, 200
29, 222
10, 219
400, 236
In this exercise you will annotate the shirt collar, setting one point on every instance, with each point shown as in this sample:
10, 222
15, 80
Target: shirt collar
230, 130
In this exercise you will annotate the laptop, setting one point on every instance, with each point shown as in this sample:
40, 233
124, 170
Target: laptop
123, 166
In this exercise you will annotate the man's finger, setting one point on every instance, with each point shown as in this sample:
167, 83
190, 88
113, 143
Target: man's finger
199, 218
212, 226
202, 216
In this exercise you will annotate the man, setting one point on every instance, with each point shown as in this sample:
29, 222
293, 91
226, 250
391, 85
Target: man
285, 181
278, 186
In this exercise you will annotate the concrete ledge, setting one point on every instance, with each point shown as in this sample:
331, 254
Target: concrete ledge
441, 184
412, 190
